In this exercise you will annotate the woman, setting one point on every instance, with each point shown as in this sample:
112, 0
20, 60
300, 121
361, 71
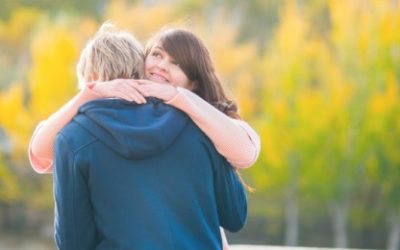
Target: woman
179, 71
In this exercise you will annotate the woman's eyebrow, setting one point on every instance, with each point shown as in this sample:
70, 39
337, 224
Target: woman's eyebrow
159, 47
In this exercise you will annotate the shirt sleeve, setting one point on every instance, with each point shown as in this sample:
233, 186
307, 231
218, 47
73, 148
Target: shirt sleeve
39, 164
234, 139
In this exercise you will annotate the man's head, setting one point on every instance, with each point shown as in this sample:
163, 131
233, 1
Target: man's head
109, 55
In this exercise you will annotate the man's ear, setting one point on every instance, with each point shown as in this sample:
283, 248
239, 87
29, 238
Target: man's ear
93, 77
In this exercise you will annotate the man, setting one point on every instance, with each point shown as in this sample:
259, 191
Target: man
129, 176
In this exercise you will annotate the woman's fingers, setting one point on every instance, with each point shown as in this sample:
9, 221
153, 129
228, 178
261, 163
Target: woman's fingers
126, 89
147, 90
139, 88
161, 91
144, 81
124, 96
135, 91
138, 97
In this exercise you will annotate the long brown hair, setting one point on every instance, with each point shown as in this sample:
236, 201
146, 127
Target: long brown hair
195, 61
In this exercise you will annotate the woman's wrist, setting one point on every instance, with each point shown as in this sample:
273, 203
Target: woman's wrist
90, 89
174, 95
90, 85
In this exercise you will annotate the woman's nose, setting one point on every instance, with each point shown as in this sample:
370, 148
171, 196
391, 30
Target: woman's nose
163, 64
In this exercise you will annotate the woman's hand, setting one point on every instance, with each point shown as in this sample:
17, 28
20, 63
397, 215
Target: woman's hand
161, 91
127, 89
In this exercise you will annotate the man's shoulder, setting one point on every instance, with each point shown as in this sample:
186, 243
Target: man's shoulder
193, 133
75, 136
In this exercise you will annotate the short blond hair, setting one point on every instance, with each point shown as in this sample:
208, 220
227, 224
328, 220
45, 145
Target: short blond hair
109, 55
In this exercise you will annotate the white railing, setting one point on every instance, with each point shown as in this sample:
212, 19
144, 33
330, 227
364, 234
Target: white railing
259, 247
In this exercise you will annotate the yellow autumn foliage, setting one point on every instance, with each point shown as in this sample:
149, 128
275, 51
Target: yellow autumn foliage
15, 119
141, 19
9, 187
52, 79
325, 103
14, 32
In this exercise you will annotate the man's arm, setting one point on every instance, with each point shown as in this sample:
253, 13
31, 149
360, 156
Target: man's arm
230, 194
74, 222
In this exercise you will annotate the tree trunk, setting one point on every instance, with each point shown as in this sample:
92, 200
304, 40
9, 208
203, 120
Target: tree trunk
292, 209
339, 222
394, 233
292, 219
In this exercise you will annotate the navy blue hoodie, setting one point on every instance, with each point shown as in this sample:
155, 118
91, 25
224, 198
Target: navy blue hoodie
130, 176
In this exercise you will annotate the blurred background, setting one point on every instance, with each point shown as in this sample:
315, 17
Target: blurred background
318, 79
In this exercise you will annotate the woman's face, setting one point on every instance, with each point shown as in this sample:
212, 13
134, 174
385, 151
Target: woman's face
162, 68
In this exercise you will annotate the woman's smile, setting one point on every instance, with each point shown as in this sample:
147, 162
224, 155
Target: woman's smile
158, 77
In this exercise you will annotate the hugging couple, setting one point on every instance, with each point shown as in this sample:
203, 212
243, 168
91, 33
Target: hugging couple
146, 155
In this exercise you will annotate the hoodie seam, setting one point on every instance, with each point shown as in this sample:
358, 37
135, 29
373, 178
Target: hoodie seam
73, 157
85, 145
77, 150
74, 154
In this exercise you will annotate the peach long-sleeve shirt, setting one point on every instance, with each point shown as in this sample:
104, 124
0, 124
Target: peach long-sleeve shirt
234, 139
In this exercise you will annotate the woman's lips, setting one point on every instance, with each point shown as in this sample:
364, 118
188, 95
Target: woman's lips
158, 78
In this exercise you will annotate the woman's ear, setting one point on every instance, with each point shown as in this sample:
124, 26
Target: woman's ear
192, 85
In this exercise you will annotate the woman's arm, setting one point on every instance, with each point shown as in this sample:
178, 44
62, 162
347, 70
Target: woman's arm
42, 141
234, 139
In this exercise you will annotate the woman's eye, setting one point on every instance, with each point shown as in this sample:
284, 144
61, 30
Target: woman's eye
155, 54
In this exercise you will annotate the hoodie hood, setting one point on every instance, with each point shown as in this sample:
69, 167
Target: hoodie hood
134, 131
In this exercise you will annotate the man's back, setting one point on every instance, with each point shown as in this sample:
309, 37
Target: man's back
141, 177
